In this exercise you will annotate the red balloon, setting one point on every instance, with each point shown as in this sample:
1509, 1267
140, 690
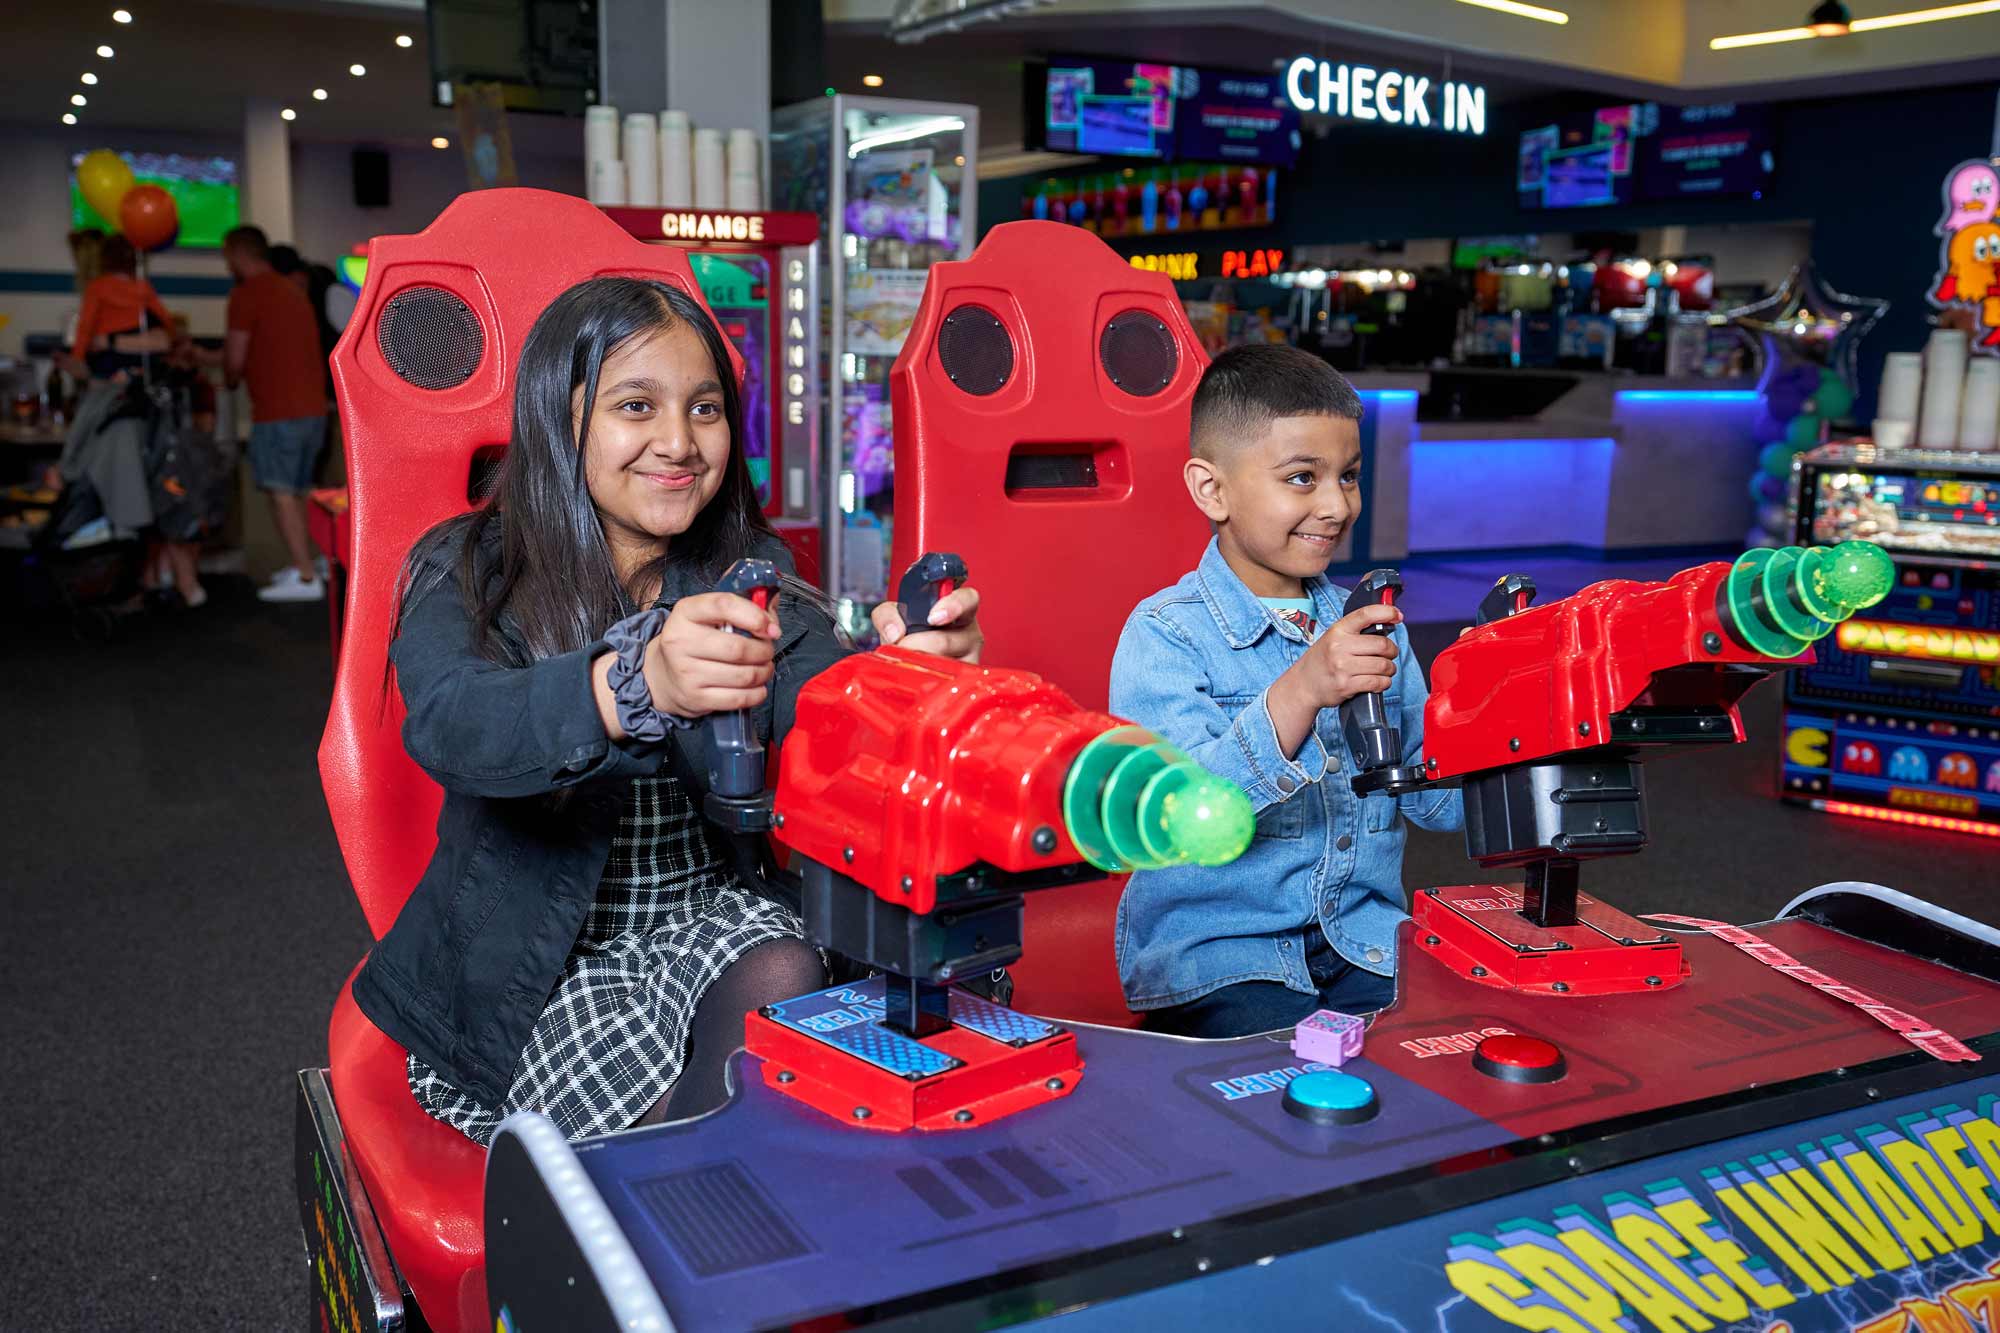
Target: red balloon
148, 217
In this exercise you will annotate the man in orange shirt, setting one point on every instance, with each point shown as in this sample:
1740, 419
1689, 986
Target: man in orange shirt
273, 348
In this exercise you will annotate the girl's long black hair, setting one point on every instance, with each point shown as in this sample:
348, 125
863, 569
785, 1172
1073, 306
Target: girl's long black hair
553, 577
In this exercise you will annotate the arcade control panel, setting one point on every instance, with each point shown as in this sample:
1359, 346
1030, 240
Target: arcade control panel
1571, 1119
1176, 1185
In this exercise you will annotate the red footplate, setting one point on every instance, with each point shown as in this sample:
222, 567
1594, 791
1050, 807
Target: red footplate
994, 1078
1478, 931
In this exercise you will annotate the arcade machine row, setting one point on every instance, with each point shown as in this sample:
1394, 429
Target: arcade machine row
1570, 1119
759, 274
1899, 718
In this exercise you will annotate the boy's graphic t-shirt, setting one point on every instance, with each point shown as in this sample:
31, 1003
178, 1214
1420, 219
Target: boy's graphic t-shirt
1296, 611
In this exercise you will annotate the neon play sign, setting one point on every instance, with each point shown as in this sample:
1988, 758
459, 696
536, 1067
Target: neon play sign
1362, 92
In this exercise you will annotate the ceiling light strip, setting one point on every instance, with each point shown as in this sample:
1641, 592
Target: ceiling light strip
1519, 10
1880, 21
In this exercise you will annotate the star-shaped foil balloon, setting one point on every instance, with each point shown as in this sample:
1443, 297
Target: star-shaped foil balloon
1807, 321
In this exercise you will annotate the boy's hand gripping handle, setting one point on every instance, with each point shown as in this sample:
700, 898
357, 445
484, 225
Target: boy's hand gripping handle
736, 796
1376, 742
934, 577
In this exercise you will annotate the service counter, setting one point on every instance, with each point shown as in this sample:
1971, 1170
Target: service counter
1608, 463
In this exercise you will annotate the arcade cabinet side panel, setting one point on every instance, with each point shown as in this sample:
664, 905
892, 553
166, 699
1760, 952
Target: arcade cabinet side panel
1879, 1219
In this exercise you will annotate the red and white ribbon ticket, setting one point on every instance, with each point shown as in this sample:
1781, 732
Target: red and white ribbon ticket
1930, 1040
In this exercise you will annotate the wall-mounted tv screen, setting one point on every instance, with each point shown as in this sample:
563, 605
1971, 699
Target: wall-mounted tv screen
1126, 108
1113, 108
205, 191
1722, 148
1584, 160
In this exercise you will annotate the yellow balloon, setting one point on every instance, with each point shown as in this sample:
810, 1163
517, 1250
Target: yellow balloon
104, 177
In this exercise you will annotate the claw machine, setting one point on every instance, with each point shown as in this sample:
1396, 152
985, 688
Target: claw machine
895, 184
759, 273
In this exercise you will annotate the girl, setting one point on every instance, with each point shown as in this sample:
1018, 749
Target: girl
583, 942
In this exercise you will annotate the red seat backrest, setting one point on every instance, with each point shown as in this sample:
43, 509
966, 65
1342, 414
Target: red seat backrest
1041, 421
1041, 418
425, 377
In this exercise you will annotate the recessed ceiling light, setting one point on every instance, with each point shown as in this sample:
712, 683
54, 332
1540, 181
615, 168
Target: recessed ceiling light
440, 142
319, 94
87, 79
288, 114
357, 70
121, 16
78, 99
871, 80
105, 52
403, 40
69, 117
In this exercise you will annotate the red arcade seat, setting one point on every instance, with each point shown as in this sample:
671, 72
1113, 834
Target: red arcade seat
1041, 418
425, 371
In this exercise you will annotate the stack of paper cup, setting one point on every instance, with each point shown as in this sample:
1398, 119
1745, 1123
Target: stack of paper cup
607, 183
746, 172
1944, 385
600, 143
676, 164
642, 160
1896, 405
1979, 413
710, 181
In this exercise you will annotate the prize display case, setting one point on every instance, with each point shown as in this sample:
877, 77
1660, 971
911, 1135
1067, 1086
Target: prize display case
894, 182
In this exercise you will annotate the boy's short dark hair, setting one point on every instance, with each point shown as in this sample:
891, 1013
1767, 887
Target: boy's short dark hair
248, 240
1247, 387
285, 259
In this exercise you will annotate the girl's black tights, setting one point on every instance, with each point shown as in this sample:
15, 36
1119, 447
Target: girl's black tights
772, 971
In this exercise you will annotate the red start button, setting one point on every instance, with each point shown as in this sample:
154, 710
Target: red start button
1516, 1059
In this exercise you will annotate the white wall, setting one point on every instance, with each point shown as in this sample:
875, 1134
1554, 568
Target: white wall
421, 182
35, 223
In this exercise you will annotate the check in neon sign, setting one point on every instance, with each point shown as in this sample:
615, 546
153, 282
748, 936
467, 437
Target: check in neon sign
1363, 92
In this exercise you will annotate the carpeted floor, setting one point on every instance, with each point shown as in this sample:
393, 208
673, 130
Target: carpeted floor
177, 923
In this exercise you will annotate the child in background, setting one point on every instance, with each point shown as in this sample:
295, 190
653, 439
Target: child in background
116, 301
1245, 664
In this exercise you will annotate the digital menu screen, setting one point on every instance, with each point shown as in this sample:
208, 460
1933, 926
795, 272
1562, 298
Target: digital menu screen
1224, 116
1725, 148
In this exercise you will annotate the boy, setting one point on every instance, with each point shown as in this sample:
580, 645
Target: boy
1245, 665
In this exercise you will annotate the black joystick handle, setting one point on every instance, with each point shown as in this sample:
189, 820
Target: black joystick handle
934, 576
736, 796
1509, 596
1375, 742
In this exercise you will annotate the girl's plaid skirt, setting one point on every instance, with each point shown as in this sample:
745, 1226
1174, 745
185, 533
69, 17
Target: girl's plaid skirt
668, 919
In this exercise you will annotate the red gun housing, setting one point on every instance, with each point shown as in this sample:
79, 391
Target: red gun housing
904, 766
1546, 681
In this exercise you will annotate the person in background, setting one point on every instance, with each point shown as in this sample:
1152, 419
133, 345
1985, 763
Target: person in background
273, 348
117, 301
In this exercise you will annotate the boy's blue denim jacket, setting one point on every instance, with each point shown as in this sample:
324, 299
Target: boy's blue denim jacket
1193, 665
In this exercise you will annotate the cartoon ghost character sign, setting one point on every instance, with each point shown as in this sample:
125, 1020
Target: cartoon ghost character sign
1969, 255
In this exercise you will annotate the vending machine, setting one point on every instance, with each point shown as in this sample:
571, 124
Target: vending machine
759, 273
1899, 718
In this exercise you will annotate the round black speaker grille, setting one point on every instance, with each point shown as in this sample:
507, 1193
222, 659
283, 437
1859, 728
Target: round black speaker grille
1138, 352
430, 338
975, 351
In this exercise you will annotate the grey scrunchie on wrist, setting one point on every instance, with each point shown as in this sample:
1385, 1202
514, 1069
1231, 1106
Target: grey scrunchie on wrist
631, 698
